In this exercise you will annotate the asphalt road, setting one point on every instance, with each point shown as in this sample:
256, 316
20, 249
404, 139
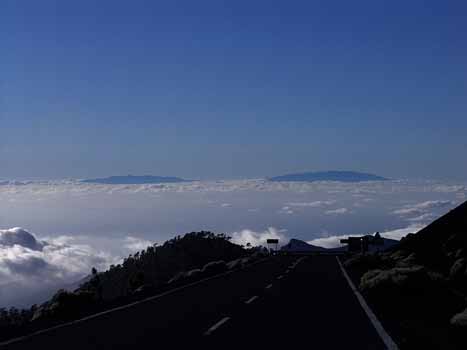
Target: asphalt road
282, 302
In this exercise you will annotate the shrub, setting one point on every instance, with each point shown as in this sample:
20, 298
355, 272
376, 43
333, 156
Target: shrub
458, 268
214, 268
460, 319
234, 264
365, 262
192, 275
408, 280
407, 261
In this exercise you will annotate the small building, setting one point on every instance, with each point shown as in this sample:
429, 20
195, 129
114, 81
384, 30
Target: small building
365, 243
273, 245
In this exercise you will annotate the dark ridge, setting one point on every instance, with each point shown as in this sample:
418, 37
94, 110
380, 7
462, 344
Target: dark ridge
445, 235
342, 176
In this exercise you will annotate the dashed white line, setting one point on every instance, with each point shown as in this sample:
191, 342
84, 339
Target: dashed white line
287, 271
119, 308
252, 299
217, 325
280, 277
269, 286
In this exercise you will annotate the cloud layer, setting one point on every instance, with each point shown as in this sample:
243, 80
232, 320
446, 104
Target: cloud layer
313, 204
97, 219
357, 189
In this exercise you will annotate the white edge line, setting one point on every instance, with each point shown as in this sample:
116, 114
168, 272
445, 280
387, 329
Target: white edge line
252, 299
280, 277
123, 307
217, 325
387, 340
269, 286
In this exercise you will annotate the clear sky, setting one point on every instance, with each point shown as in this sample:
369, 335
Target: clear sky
228, 89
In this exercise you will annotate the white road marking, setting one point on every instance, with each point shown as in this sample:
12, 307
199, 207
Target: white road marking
280, 277
287, 271
269, 286
217, 325
387, 340
252, 299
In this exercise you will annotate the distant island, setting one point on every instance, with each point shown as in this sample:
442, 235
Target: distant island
134, 180
342, 176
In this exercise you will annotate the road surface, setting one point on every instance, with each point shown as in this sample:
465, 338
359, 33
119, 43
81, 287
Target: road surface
282, 302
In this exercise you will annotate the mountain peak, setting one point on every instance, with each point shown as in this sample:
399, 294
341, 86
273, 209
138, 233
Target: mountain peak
296, 245
330, 175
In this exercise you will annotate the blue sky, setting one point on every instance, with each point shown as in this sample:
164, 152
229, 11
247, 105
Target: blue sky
213, 89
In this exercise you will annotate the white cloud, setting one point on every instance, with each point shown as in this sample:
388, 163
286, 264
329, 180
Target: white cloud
286, 210
422, 218
423, 211
259, 238
422, 208
32, 265
402, 232
314, 204
134, 243
334, 240
18, 236
25, 259
338, 211
329, 241
449, 188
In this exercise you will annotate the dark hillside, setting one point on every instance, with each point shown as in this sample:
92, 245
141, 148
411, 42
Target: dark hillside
442, 242
156, 265
419, 288
140, 275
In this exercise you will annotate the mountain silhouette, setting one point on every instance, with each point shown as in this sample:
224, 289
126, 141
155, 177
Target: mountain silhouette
296, 245
134, 180
342, 176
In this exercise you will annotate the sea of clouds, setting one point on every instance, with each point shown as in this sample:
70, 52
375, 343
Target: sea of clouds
53, 232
